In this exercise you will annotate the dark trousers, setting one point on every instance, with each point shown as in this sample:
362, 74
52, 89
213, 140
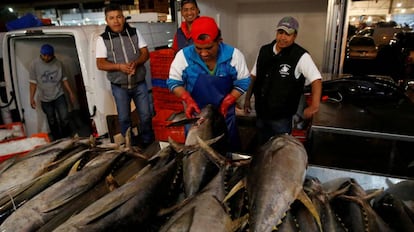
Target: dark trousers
57, 117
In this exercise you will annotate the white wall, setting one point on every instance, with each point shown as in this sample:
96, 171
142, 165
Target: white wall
248, 25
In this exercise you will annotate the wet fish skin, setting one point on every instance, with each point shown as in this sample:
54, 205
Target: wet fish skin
121, 171
119, 209
321, 199
275, 179
394, 212
47, 204
355, 210
197, 169
26, 191
204, 211
34, 164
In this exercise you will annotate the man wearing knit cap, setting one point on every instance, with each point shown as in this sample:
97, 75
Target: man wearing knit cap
210, 72
281, 70
47, 76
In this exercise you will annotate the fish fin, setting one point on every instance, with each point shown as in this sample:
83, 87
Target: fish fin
339, 192
373, 194
165, 211
75, 167
111, 182
239, 223
183, 122
302, 197
178, 147
240, 185
213, 155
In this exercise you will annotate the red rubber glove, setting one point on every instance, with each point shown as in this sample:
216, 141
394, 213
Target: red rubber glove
226, 103
191, 105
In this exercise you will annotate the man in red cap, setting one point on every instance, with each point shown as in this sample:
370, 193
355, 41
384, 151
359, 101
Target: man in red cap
278, 77
210, 72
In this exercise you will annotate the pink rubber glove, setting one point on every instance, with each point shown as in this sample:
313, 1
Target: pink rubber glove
191, 105
226, 103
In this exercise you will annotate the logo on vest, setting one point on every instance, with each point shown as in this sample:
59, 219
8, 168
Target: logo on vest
284, 70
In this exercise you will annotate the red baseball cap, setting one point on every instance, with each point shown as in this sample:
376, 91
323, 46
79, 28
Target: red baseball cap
204, 25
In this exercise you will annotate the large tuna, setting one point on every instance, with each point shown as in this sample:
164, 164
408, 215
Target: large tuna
274, 181
49, 203
129, 207
197, 169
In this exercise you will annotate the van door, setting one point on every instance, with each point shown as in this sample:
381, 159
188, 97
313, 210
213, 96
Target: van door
22, 50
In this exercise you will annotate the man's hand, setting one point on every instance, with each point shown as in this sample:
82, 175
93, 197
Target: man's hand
226, 103
33, 103
247, 107
191, 105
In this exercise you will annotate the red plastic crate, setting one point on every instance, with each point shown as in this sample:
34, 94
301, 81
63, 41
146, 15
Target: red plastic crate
165, 100
160, 62
162, 132
23, 153
301, 135
12, 131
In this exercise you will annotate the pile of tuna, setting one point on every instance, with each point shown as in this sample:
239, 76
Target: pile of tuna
82, 185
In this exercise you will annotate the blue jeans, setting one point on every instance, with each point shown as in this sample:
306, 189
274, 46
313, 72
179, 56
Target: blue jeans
269, 128
140, 96
59, 126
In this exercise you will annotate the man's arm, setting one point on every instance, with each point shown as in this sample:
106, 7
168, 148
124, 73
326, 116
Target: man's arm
33, 87
104, 65
247, 107
141, 59
67, 87
316, 98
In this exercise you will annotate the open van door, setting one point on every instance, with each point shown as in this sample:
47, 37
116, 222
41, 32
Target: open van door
75, 47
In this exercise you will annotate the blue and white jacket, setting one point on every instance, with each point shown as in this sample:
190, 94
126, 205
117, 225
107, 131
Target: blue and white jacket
187, 66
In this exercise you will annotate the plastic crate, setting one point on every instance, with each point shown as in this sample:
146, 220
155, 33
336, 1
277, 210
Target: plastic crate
162, 132
11, 131
157, 82
301, 135
160, 62
43, 139
165, 100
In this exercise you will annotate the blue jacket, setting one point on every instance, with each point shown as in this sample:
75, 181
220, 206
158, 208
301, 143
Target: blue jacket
187, 66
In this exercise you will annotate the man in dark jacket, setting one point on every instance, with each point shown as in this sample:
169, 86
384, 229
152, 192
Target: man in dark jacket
278, 77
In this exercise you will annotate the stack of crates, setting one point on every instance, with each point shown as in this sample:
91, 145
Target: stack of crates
165, 102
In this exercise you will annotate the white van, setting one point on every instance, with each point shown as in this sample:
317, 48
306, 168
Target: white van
75, 47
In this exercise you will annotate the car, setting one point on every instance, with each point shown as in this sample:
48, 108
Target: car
381, 34
361, 47
364, 123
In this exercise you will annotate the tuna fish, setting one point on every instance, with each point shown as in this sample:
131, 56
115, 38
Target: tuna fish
355, 210
47, 204
34, 164
130, 206
17, 195
274, 181
321, 199
197, 169
394, 212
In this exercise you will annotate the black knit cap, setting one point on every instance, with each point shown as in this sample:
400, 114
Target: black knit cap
188, 1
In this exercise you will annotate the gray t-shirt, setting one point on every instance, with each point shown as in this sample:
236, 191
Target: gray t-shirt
48, 77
